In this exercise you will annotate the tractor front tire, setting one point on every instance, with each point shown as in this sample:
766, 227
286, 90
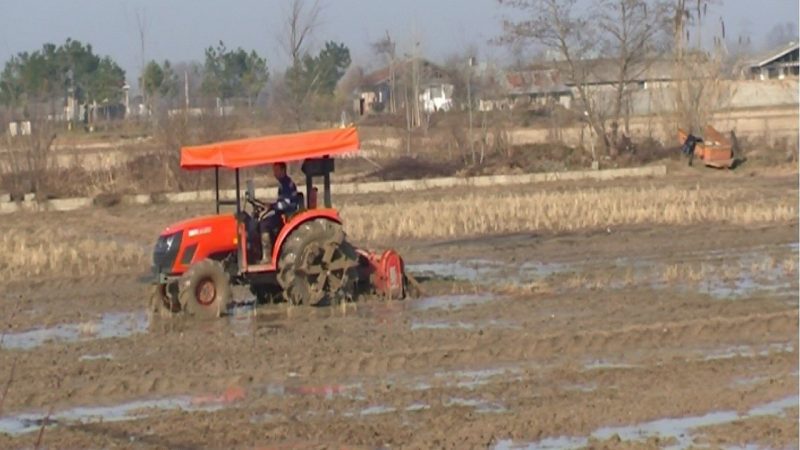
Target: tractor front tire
164, 299
316, 264
205, 289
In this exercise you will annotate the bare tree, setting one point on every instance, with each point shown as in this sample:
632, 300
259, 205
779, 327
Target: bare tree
461, 70
387, 47
302, 19
29, 158
780, 35
699, 87
630, 32
557, 26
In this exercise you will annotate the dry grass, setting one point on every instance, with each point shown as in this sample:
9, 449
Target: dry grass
601, 208
26, 253
87, 243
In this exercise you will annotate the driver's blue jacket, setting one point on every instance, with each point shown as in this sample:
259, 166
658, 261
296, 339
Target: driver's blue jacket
288, 201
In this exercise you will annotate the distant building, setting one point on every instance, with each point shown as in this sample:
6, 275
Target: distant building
778, 64
531, 89
436, 97
374, 95
544, 86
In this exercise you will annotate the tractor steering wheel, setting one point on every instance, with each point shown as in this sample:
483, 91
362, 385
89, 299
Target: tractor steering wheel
258, 206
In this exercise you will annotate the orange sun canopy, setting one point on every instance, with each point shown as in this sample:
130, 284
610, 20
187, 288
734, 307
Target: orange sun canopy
271, 149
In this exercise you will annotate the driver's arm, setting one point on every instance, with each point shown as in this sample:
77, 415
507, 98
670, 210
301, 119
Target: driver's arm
287, 196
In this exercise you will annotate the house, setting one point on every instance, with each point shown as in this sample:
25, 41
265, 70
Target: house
543, 86
375, 93
531, 89
436, 97
603, 74
778, 63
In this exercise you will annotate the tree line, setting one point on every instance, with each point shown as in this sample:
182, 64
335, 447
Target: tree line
73, 70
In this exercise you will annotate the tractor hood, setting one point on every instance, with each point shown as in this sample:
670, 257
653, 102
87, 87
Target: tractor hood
198, 226
182, 244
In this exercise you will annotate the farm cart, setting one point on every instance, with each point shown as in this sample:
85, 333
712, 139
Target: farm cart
196, 261
715, 150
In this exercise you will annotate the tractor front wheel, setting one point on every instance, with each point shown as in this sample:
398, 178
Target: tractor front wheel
316, 264
164, 299
205, 289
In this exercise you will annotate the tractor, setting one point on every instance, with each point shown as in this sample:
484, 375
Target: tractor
196, 261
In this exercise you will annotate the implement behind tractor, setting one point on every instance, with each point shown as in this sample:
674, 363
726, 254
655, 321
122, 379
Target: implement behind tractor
196, 261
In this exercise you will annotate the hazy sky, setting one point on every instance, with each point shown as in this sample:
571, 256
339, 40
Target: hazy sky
180, 29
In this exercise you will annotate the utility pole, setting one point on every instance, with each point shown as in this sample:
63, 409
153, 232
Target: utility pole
470, 63
186, 89
391, 47
141, 23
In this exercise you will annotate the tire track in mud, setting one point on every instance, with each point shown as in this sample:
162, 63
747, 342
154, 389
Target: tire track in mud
683, 337
780, 326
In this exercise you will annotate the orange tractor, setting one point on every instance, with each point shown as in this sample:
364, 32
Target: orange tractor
715, 150
196, 261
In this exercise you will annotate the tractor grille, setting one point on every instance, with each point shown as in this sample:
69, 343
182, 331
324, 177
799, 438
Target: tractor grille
165, 252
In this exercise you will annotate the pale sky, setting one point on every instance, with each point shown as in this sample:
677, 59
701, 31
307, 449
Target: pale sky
180, 30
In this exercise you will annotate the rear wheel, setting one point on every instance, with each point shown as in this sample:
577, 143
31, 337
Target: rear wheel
205, 289
317, 264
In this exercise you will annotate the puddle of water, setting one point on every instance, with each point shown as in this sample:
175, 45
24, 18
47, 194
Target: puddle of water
377, 409
747, 351
464, 379
774, 408
727, 274
746, 285
467, 270
591, 387
556, 443
27, 422
98, 357
422, 325
599, 364
443, 325
110, 325
259, 419
327, 391
678, 428
480, 406
536, 269
470, 379
417, 407
482, 271
454, 301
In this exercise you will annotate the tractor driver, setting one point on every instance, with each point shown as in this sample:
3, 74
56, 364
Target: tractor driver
287, 202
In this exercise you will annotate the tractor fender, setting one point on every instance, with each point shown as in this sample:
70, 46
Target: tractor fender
299, 219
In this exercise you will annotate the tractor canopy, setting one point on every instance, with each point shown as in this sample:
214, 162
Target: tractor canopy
258, 151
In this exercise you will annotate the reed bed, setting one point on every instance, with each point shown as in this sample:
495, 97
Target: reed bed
474, 214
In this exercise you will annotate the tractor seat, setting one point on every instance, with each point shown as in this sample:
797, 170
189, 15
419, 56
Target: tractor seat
301, 201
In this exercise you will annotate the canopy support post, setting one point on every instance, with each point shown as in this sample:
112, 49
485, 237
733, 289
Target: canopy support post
309, 184
327, 180
238, 195
239, 235
216, 186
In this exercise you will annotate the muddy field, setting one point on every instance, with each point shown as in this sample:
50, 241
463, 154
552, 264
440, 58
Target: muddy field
625, 337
